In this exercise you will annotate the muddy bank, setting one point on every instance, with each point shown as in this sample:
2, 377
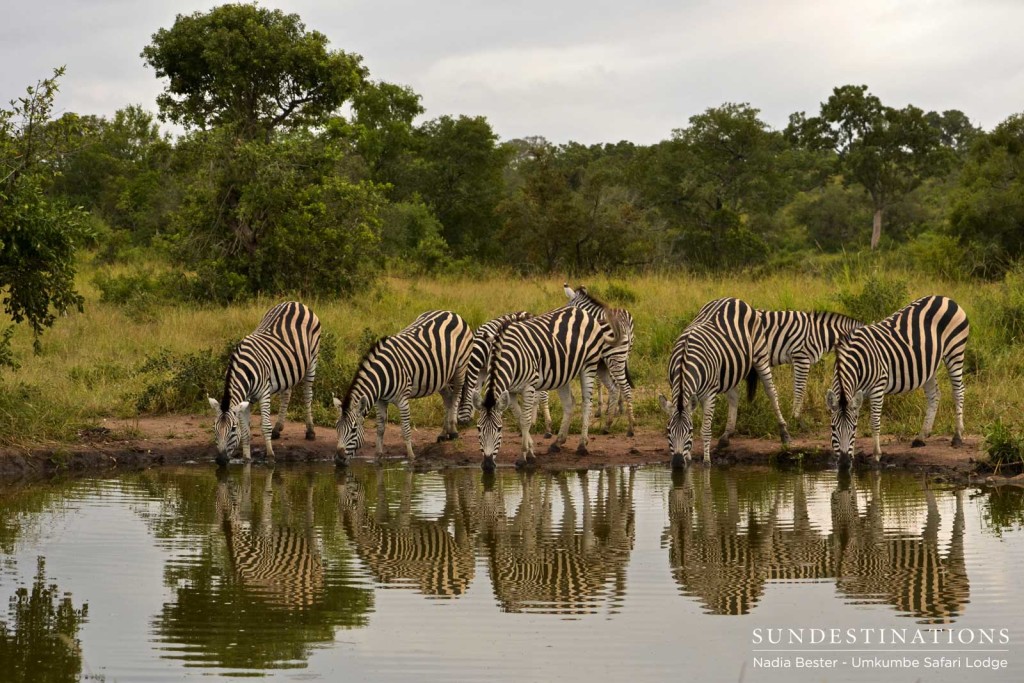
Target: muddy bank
184, 439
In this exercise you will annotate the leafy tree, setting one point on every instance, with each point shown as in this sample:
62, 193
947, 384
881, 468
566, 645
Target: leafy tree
988, 211
250, 68
38, 233
888, 151
955, 129
382, 127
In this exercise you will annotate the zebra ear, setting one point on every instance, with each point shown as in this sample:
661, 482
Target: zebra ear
693, 403
242, 407
336, 401
214, 403
478, 400
858, 398
831, 401
569, 294
663, 402
503, 401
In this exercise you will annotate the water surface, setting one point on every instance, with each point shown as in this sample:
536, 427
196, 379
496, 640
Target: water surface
622, 574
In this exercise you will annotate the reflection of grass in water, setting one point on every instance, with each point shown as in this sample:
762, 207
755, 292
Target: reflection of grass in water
1003, 508
39, 639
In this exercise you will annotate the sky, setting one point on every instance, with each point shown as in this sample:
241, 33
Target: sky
585, 70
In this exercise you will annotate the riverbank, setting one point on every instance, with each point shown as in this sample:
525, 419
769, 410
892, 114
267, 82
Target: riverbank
187, 439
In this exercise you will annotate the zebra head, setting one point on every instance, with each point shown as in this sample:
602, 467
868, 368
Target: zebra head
490, 411
680, 426
225, 428
845, 412
351, 416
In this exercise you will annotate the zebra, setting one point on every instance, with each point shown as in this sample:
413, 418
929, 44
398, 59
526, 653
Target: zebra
896, 355
482, 338
281, 352
718, 349
802, 338
614, 368
540, 354
427, 357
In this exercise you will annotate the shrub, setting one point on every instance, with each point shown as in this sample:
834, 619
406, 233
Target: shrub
878, 299
1004, 446
181, 381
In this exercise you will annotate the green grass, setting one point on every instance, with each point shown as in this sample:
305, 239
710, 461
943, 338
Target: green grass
88, 367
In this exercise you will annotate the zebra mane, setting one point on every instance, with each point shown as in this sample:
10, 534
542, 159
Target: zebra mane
582, 292
490, 400
225, 401
346, 402
680, 401
841, 397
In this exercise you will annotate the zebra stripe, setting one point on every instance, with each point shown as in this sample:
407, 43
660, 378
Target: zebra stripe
722, 346
478, 358
614, 368
427, 357
541, 354
802, 338
896, 355
280, 353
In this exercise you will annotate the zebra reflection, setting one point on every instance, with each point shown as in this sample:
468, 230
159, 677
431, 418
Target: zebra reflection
724, 558
569, 568
402, 549
279, 562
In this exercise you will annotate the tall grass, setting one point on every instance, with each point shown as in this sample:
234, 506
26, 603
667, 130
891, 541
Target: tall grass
89, 365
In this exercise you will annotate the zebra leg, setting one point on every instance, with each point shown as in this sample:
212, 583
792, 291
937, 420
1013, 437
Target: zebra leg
801, 368
931, 391
526, 416
876, 424
764, 371
448, 430
586, 389
403, 409
955, 367
265, 425
382, 423
307, 400
245, 434
604, 376
452, 405
282, 412
597, 412
705, 426
624, 391
548, 428
565, 396
733, 395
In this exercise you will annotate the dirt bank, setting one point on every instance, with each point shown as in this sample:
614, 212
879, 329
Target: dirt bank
178, 439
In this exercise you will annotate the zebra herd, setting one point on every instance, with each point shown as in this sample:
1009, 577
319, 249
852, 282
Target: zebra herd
511, 362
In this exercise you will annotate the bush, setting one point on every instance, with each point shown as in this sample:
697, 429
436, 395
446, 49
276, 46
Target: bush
878, 299
1004, 446
181, 381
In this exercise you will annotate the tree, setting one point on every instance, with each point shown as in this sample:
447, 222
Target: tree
382, 127
250, 68
38, 233
888, 151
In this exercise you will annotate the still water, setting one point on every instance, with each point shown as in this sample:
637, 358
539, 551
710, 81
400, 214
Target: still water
382, 573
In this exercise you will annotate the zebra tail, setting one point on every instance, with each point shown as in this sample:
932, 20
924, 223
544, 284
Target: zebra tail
751, 384
617, 319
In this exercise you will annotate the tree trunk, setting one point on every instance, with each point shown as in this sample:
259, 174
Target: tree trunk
876, 229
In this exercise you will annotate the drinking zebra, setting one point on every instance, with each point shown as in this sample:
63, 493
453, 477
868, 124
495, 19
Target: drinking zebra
427, 357
614, 368
802, 338
896, 355
478, 359
718, 349
541, 354
280, 353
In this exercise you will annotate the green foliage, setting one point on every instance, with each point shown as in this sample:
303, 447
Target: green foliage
7, 359
878, 298
39, 638
181, 381
38, 234
250, 69
1004, 446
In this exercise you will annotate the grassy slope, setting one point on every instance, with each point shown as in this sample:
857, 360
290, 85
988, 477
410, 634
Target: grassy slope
85, 371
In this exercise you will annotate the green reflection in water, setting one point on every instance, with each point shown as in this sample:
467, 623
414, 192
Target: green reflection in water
39, 638
268, 579
1003, 508
726, 542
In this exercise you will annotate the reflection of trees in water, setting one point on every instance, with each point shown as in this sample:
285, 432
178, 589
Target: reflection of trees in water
262, 590
403, 549
723, 553
538, 566
1002, 508
39, 638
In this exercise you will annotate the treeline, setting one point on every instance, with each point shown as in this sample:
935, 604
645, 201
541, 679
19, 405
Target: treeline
299, 172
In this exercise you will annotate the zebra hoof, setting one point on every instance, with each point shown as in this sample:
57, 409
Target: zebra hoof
452, 436
521, 463
340, 461
582, 450
678, 461
275, 434
310, 434
547, 435
957, 441
443, 436
722, 444
531, 459
554, 448
917, 443
629, 433
488, 465
223, 460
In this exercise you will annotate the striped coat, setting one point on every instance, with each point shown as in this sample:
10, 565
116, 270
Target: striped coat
720, 348
427, 357
279, 354
896, 355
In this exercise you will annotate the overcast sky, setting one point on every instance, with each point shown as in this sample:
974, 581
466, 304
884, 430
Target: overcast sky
585, 70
